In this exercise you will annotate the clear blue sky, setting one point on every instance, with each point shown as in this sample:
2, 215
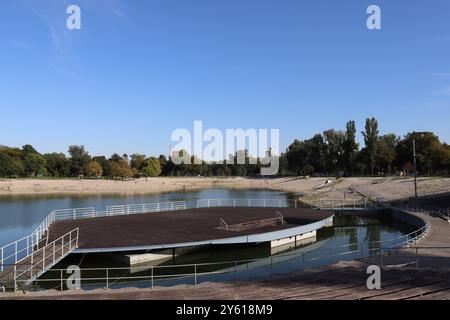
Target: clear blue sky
139, 69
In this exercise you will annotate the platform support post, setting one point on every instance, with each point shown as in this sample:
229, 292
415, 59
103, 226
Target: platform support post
304, 262
195, 274
152, 276
417, 258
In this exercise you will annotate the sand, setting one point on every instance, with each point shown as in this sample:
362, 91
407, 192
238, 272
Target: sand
303, 188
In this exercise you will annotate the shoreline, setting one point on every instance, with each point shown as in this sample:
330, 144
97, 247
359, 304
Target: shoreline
301, 188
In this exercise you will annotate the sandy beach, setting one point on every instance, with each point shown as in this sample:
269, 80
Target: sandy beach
388, 188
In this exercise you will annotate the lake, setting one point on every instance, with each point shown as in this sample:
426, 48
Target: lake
20, 215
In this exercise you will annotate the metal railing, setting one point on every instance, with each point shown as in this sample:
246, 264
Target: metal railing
222, 224
39, 261
282, 219
326, 204
275, 203
192, 272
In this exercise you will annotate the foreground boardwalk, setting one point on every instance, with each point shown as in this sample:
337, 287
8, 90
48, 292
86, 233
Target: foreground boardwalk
345, 281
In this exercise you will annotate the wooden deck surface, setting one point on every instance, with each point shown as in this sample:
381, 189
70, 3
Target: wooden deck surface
178, 226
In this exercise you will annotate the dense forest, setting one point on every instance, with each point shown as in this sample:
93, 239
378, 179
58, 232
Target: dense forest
333, 152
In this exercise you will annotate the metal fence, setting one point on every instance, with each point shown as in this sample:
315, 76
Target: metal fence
41, 260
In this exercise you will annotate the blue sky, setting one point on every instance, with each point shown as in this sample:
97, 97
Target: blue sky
138, 69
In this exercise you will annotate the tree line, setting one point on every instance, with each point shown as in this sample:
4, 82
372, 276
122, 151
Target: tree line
333, 152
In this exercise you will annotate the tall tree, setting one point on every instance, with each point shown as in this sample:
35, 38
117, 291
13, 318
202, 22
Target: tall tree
385, 152
57, 164
79, 159
26, 150
350, 147
34, 165
106, 166
334, 141
152, 167
370, 140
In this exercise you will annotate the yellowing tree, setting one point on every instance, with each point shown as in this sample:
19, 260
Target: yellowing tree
94, 169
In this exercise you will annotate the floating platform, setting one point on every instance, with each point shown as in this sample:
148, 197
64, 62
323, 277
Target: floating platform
192, 227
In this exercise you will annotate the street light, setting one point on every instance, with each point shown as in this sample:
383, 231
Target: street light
415, 168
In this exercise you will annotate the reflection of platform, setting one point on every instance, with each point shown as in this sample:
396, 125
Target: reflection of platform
190, 227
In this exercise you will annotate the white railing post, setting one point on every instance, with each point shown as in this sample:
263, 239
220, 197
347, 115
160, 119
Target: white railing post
1, 260
234, 202
264, 203
15, 253
74, 214
279, 203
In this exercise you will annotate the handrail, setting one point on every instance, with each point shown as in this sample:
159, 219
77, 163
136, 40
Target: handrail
53, 251
283, 220
223, 224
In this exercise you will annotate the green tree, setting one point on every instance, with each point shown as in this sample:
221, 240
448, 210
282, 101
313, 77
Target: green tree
385, 152
334, 150
370, 139
350, 147
137, 161
431, 153
57, 165
152, 167
79, 159
34, 165
26, 150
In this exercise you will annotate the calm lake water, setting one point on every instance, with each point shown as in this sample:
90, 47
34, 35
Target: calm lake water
19, 216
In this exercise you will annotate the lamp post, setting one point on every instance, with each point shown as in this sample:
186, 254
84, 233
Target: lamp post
415, 169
